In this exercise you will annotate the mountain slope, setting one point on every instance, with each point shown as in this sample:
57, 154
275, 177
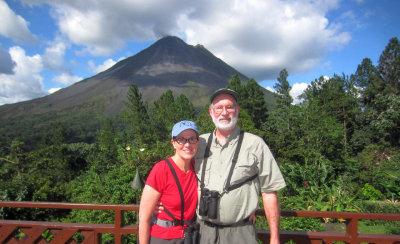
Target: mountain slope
167, 64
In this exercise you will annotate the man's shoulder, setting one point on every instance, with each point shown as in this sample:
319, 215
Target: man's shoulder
205, 135
251, 136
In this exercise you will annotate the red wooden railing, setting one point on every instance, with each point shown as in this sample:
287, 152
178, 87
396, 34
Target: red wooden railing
64, 232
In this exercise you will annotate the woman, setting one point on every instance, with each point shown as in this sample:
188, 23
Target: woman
162, 185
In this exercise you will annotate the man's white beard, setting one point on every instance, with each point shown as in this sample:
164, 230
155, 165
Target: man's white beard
222, 126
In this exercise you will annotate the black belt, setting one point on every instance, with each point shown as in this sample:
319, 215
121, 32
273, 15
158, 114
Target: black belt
240, 223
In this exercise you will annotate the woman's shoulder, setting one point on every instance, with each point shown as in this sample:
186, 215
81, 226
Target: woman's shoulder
161, 165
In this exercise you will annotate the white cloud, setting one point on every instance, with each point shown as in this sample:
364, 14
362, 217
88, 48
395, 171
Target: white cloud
52, 90
260, 38
103, 26
297, 90
104, 66
53, 57
270, 89
14, 26
26, 82
257, 37
67, 79
6, 63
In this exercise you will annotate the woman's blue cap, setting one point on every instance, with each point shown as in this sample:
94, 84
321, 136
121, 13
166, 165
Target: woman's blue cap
184, 125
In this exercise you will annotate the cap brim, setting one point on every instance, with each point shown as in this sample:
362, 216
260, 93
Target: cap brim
224, 91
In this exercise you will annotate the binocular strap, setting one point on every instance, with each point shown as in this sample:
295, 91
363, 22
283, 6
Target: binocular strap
168, 223
227, 187
180, 193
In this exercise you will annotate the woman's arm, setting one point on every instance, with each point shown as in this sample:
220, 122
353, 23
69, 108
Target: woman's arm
148, 203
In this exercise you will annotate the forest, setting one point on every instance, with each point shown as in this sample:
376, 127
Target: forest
338, 149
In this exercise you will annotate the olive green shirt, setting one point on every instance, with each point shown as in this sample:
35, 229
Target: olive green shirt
254, 158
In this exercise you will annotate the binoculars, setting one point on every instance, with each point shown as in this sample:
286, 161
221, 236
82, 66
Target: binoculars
209, 203
192, 234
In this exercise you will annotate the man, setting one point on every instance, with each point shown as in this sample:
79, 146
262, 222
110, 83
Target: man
229, 194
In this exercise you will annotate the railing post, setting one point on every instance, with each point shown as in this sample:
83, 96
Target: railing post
352, 230
119, 222
93, 232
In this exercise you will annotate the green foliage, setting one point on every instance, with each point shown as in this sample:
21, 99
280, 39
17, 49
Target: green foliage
389, 66
387, 177
255, 103
368, 192
283, 89
251, 99
301, 224
38, 130
337, 149
388, 207
370, 159
204, 121
378, 226
167, 111
137, 117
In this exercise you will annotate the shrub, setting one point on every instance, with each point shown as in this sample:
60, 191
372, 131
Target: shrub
368, 192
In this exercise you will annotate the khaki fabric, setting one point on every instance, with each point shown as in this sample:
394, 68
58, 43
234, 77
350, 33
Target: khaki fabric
254, 158
155, 240
228, 235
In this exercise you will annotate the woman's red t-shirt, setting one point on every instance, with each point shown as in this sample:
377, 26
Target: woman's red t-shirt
161, 179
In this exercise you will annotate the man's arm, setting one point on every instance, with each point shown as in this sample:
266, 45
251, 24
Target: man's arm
272, 211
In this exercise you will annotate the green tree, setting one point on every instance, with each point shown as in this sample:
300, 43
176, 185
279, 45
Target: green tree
368, 80
164, 115
283, 88
255, 105
137, 117
58, 134
369, 83
250, 98
237, 85
389, 66
344, 94
379, 88
184, 109
167, 111
387, 104
326, 122
284, 101
108, 149
15, 160
204, 121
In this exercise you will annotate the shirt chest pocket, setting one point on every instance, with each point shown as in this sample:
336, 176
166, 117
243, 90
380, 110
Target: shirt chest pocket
245, 168
199, 166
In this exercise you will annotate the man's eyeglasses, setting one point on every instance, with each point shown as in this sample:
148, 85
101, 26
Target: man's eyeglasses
182, 141
220, 109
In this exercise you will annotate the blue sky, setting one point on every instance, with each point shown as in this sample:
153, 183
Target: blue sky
46, 45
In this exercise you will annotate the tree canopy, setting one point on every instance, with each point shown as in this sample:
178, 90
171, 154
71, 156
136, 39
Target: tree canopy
340, 144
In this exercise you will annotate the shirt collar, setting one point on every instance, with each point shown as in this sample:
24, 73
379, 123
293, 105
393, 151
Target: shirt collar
230, 138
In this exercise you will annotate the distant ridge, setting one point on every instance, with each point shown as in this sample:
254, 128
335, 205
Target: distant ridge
169, 63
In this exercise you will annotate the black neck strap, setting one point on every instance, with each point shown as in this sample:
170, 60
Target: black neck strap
180, 193
206, 155
234, 160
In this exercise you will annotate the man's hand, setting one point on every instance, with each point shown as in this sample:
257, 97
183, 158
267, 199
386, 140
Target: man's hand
158, 209
252, 217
